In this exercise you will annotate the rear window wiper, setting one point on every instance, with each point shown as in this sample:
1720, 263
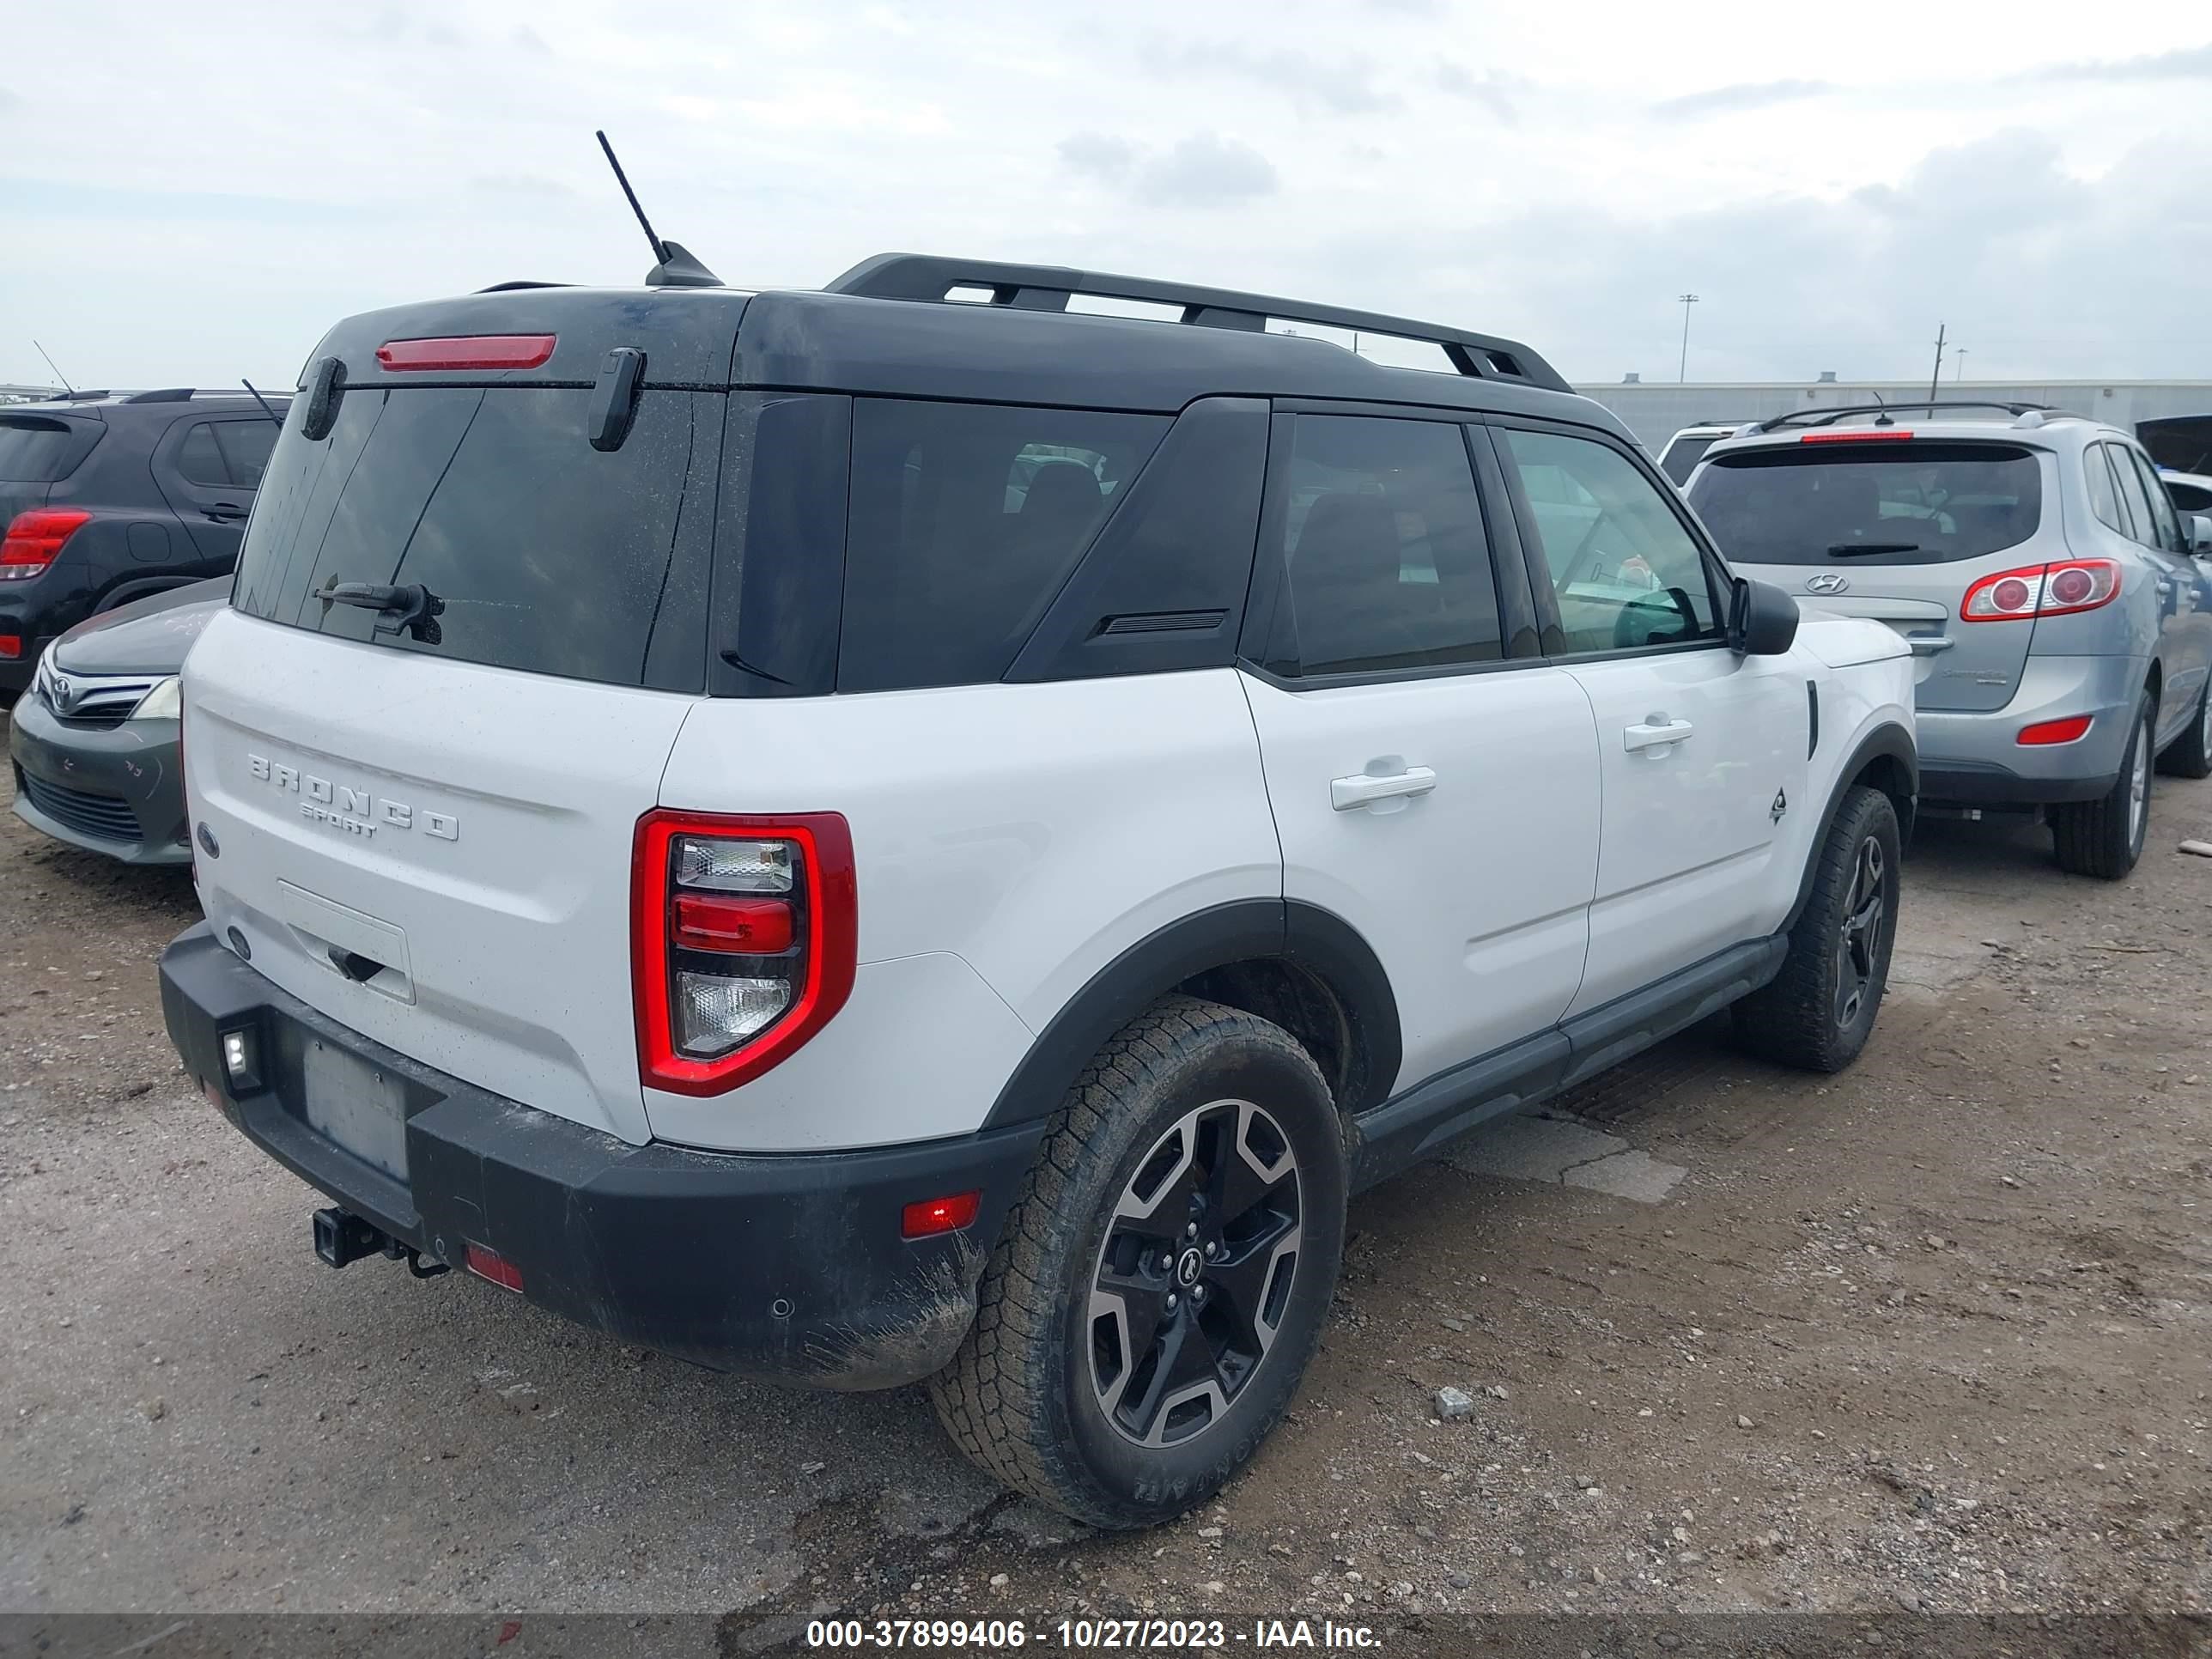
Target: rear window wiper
1852, 549
408, 610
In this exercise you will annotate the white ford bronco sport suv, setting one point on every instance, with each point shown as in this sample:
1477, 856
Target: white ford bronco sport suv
856, 837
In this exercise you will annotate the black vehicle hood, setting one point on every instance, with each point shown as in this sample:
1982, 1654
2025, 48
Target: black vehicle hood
147, 636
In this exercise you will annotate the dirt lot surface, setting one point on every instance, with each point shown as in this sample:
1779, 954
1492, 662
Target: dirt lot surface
1936, 1335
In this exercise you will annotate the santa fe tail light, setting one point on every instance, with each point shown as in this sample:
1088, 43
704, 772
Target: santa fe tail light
2042, 590
745, 936
34, 539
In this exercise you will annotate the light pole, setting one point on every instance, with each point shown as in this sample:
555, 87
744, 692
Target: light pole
1683, 374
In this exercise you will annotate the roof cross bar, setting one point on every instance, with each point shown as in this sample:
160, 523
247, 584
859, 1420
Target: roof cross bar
930, 278
1830, 416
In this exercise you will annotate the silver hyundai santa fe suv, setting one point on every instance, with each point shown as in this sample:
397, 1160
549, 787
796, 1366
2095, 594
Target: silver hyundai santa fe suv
2059, 607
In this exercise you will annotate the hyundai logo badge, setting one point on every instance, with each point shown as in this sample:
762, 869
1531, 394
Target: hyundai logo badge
1827, 582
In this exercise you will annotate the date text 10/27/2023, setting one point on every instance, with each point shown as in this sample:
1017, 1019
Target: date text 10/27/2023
1088, 1635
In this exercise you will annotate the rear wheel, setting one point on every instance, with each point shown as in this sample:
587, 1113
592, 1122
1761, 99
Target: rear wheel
2105, 837
2190, 755
1161, 1283
1817, 1013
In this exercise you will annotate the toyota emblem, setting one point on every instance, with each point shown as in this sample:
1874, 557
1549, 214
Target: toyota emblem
64, 694
1827, 581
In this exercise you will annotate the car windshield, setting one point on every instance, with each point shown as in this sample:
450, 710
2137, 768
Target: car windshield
1909, 502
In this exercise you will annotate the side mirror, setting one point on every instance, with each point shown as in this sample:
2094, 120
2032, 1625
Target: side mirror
2196, 530
1762, 619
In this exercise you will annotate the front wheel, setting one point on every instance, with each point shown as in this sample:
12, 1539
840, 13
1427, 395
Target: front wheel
1161, 1281
1817, 1013
2104, 838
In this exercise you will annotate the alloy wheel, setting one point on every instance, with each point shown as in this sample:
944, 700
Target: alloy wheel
2139, 788
1194, 1274
1858, 946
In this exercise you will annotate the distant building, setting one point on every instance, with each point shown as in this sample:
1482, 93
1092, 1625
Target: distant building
1656, 412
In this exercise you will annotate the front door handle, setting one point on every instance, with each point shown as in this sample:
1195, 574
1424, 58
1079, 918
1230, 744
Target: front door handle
1344, 794
1657, 731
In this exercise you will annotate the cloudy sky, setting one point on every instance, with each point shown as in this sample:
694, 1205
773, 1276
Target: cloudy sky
189, 193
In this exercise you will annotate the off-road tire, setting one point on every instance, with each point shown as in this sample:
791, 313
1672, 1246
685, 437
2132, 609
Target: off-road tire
1020, 1397
1796, 1019
2190, 755
2104, 838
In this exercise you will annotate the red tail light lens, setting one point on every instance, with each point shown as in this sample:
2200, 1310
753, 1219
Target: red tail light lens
2042, 590
468, 351
11, 645
34, 539
940, 1215
745, 937
2065, 730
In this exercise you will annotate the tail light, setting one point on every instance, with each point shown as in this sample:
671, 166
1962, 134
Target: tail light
34, 539
2042, 590
11, 645
744, 935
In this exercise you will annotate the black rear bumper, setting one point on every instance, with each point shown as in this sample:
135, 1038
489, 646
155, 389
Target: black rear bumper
1966, 784
788, 1267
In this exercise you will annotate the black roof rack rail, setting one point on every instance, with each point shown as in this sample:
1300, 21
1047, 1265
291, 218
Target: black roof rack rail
1830, 416
167, 394
1047, 287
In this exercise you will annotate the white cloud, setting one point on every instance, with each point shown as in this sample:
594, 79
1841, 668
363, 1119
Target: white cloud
1556, 173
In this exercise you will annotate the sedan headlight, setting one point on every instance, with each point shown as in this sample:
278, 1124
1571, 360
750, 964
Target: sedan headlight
161, 703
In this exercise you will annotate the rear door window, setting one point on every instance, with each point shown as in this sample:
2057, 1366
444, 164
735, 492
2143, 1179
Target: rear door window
199, 460
1908, 501
2135, 501
2166, 526
964, 520
1387, 564
245, 446
549, 556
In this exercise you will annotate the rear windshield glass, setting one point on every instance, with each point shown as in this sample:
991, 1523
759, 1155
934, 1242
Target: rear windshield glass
1909, 503
548, 554
1682, 457
34, 449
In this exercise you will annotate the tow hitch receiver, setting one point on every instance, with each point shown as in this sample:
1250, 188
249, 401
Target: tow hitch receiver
342, 1237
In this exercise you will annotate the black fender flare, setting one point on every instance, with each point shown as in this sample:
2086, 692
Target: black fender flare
1888, 741
1244, 930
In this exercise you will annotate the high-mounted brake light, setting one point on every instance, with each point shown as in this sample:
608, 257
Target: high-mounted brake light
36, 537
745, 936
1857, 435
468, 351
2042, 590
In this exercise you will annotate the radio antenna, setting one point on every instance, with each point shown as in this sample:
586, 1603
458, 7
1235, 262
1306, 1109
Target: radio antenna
58, 375
673, 264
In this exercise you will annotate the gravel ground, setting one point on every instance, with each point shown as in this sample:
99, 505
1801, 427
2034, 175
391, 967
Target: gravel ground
1931, 1335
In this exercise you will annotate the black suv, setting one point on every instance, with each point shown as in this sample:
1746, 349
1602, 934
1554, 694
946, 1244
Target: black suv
107, 497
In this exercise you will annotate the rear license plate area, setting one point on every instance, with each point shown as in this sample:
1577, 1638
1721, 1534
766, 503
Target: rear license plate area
358, 1106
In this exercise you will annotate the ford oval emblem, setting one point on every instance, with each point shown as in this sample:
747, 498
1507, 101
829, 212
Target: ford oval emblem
1827, 582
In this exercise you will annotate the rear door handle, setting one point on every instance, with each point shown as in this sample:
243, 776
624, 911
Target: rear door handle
1363, 789
223, 513
1657, 732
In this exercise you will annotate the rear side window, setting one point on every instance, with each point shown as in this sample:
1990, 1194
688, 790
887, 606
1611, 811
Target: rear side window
549, 556
1910, 502
197, 458
2135, 503
963, 521
2164, 527
35, 449
2190, 498
245, 446
1387, 566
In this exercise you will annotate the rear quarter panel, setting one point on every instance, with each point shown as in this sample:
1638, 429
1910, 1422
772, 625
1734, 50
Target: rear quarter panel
1010, 840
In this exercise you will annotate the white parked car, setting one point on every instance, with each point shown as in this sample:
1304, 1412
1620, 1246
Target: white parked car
858, 838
